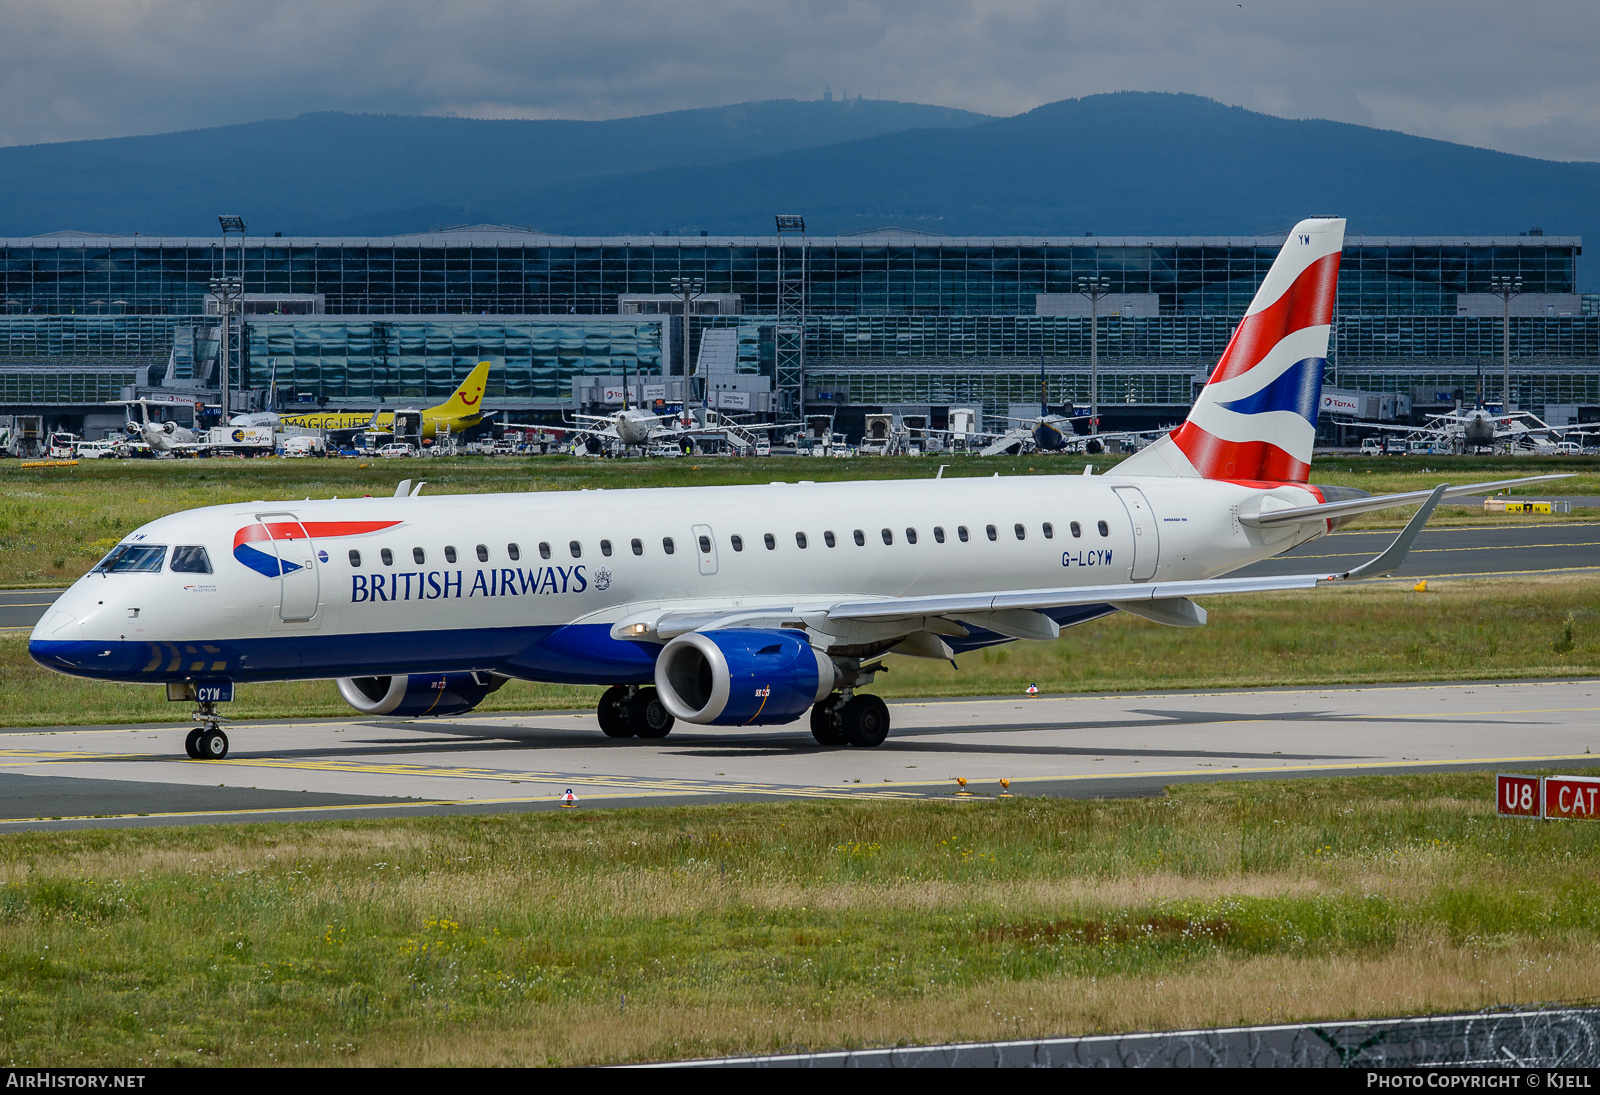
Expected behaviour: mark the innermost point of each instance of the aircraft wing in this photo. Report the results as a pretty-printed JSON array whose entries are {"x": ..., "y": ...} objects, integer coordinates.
[
  {"x": 1017, "y": 613},
  {"x": 1270, "y": 518}
]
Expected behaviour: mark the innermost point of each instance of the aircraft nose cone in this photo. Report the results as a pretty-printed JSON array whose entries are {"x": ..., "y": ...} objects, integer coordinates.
[{"x": 57, "y": 625}]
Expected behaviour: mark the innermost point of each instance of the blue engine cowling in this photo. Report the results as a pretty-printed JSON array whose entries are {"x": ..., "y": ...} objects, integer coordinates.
[
  {"x": 418, "y": 694},
  {"x": 742, "y": 677}
]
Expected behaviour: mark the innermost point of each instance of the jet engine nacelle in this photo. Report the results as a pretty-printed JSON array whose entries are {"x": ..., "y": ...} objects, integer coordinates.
[
  {"x": 742, "y": 677},
  {"x": 418, "y": 694}
]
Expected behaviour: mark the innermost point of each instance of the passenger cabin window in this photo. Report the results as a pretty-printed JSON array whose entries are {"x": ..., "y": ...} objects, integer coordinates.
[
  {"x": 355, "y": 557},
  {"x": 637, "y": 546},
  {"x": 515, "y": 552},
  {"x": 1077, "y": 529},
  {"x": 990, "y": 529},
  {"x": 1049, "y": 531},
  {"x": 861, "y": 538},
  {"x": 705, "y": 545},
  {"x": 1105, "y": 529},
  {"x": 938, "y": 534},
  {"x": 961, "y": 533},
  {"x": 483, "y": 554},
  {"x": 544, "y": 551},
  {"x": 769, "y": 541},
  {"x": 191, "y": 560},
  {"x": 133, "y": 559},
  {"x": 800, "y": 540},
  {"x": 418, "y": 556},
  {"x": 605, "y": 548},
  {"x": 576, "y": 549},
  {"x": 827, "y": 538},
  {"x": 737, "y": 541},
  {"x": 667, "y": 545},
  {"x": 1022, "y": 533},
  {"x": 911, "y": 535},
  {"x": 888, "y": 536},
  {"x": 387, "y": 556},
  {"x": 449, "y": 554}
]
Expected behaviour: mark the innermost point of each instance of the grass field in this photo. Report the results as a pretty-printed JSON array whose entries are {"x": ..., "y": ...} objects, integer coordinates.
[
  {"x": 1488, "y": 628},
  {"x": 56, "y": 522},
  {"x": 578, "y": 937}
]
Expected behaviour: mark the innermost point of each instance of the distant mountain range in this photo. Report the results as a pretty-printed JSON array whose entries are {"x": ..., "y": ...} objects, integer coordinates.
[{"x": 1120, "y": 164}]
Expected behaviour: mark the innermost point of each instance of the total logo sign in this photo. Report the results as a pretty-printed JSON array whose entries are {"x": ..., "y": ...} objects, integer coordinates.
[{"x": 1339, "y": 403}]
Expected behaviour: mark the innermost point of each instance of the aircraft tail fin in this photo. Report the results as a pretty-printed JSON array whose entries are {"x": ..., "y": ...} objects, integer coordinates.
[
  {"x": 467, "y": 400},
  {"x": 1256, "y": 419}
]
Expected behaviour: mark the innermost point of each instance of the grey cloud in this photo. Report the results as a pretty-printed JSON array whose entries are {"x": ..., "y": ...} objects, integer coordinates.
[{"x": 1519, "y": 78}]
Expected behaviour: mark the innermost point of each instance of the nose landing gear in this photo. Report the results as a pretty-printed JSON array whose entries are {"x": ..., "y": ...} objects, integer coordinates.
[{"x": 206, "y": 741}]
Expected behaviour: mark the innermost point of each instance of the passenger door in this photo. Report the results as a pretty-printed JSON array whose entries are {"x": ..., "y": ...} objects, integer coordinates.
[
  {"x": 1146, "y": 546},
  {"x": 299, "y": 587}
]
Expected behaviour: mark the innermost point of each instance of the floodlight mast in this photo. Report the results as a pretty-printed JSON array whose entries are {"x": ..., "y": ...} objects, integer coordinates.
[
  {"x": 1094, "y": 289},
  {"x": 1505, "y": 288},
  {"x": 789, "y": 335},
  {"x": 227, "y": 290},
  {"x": 688, "y": 288}
]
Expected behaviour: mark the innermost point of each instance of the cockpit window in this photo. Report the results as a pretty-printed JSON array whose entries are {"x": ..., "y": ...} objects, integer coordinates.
[
  {"x": 133, "y": 558},
  {"x": 191, "y": 560}
]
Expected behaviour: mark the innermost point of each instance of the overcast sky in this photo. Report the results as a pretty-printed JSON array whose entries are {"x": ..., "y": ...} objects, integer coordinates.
[{"x": 1517, "y": 77}]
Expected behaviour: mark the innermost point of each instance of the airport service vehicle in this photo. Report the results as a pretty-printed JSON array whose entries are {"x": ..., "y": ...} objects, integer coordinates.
[
  {"x": 241, "y": 440},
  {"x": 1372, "y": 446},
  {"x": 96, "y": 450},
  {"x": 397, "y": 449},
  {"x": 63, "y": 445},
  {"x": 305, "y": 444},
  {"x": 740, "y": 605}
]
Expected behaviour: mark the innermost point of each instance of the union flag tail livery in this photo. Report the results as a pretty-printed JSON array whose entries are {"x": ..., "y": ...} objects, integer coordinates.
[{"x": 1256, "y": 419}]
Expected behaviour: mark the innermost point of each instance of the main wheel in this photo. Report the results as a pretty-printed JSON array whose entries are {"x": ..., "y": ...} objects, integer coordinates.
[
  {"x": 191, "y": 744},
  {"x": 213, "y": 745},
  {"x": 825, "y": 723},
  {"x": 613, "y": 713},
  {"x": 647, "y": 717},
  {"x": 866, "y": 721}
]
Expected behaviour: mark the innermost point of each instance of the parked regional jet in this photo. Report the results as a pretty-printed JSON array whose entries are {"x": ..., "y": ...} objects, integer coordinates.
[
  {"x": 732, "y": 606},
  {"x": 462, "y": 411}
]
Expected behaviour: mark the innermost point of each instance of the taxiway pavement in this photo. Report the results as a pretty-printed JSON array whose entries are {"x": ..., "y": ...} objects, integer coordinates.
[{"x": 1079, "y": 746}]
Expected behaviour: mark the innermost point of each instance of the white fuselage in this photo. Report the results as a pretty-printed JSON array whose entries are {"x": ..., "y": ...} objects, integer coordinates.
[{"x": 576, "y": 568}]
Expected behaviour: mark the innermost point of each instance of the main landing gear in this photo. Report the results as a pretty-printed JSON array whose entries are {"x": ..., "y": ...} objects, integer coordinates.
[
  {"x": 628, "y": 711},
  {"x": 861, "y": 720},
  {"x": 206, "y": 741}
]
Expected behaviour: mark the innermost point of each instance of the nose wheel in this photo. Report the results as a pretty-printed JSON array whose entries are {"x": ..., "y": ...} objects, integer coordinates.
[{"x": 207, "y": 741}]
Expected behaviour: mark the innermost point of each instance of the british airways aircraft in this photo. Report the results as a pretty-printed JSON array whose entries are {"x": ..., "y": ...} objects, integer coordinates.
[{"x": 731, "y": 606}]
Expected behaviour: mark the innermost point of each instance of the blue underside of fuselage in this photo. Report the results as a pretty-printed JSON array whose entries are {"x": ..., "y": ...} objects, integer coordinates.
[{"x": 569, "y": 654}]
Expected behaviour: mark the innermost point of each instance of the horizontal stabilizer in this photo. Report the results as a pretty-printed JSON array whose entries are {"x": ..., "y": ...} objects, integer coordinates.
[{"x": 1353, "y": 506}]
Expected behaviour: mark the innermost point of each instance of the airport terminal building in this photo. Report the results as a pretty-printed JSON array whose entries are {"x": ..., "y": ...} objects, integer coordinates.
[{"x": 891, "y": 320}]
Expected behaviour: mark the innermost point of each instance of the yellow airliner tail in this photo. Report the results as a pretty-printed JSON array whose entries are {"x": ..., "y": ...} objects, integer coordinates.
[{"x": 467, "y": 400}]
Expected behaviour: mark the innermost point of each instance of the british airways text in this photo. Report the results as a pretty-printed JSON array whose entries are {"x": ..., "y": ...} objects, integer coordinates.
[{"x": 433, "y": 585}]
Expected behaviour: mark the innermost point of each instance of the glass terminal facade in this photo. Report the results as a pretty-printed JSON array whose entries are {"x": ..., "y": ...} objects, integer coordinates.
[
  {"x": 895, "y": 319},
  {"x": 504, "y": 272}
]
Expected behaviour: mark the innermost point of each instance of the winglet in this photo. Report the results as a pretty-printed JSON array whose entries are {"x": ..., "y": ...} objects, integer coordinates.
[
  {"x": 404, "y": 489},
  {"x": 1394, "y": 555}
]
